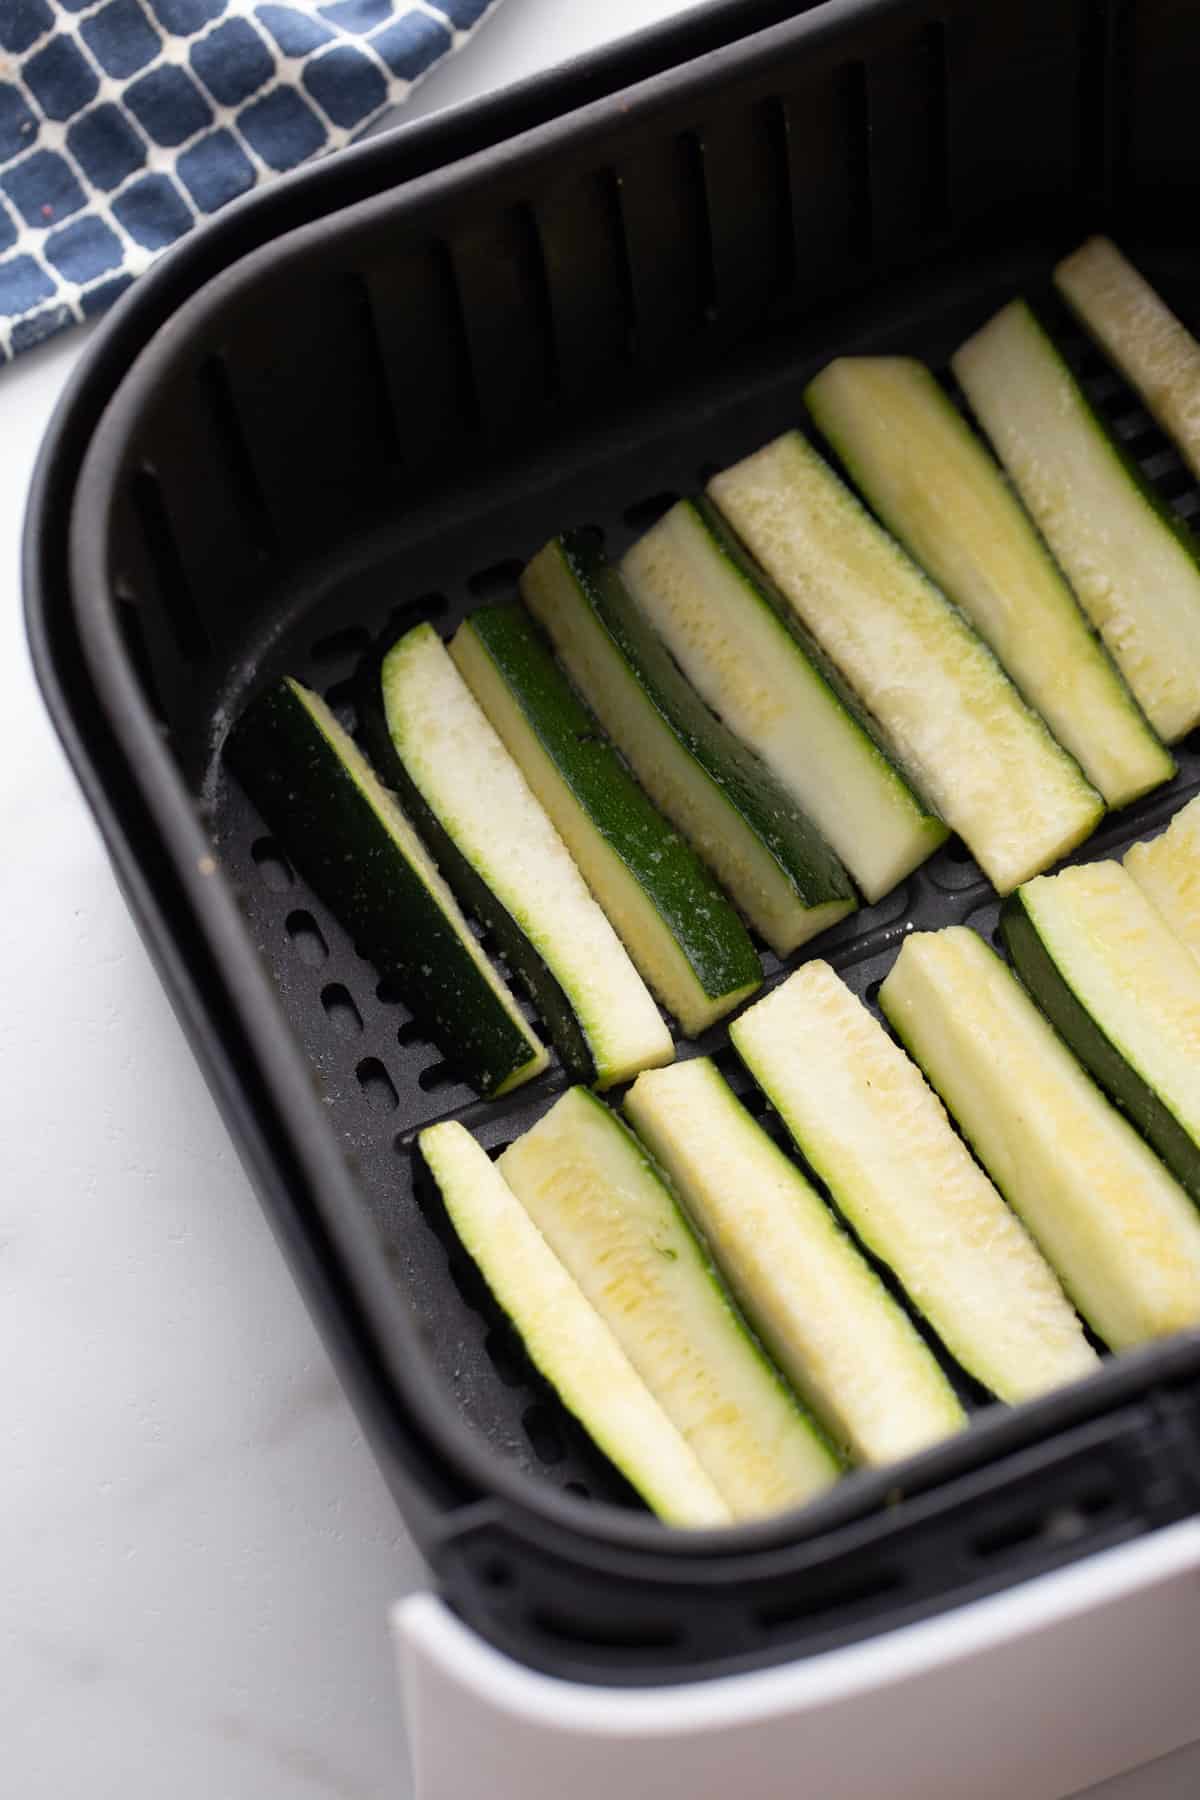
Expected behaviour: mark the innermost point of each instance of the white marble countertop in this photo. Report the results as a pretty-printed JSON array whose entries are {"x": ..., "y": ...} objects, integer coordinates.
[{"x": 197, "y": 1552}]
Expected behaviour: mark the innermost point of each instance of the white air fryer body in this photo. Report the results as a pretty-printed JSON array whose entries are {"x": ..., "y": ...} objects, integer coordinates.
[{"x": 1031, "y": 1694}]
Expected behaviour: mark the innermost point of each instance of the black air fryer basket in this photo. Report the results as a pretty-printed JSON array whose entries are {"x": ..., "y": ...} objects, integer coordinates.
[{"x": 364, "y": 398}]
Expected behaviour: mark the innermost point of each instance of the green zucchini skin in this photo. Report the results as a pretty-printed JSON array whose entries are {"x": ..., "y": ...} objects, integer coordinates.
[
  {"x": 1171, "y": 715},
  {"x": 1162, "y": 509},
  {"x": 564, "y": 1336},
  {"x": 771, "y": 684},
  {"x": 755, "y": 576},
  {"x": 931, "y": 482},
  {"x": 340, "y": 844},
  {"x": 957, "y": 722},
  {"x": 610, "y": 1215},
  {"x": 705, "y": 926},
  {"x": 468, "y": 885},
  {"x": 794, "y": 843},
  {"x": 1094, "y": 1049}
]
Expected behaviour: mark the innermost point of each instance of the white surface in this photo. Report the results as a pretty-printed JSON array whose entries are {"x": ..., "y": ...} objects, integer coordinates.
[
  {"x": 197, "y": 1554},
  {"x": 197, "y": 1551},
  {"x": 1032, "y": 1691}
]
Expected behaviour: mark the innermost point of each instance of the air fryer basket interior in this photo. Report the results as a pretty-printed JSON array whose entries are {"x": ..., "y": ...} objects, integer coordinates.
[{"x": 377, "y": 419}]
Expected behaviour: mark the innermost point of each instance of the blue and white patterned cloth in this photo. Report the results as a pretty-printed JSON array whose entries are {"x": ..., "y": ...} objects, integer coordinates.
[{"x": 124, "y": 123}]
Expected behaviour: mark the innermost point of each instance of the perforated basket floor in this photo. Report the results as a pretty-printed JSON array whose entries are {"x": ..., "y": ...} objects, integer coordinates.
[{"x": 380, "y": 1076}]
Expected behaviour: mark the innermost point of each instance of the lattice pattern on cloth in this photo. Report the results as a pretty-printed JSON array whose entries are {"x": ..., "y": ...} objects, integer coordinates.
[{"x": 124, "y": 123}]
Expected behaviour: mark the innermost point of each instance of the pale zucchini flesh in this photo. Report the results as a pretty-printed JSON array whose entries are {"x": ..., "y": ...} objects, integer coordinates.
[
  {"x": 1117, "y": 984},
  {"x": 1153, "y": 349},
  {"x": 564, "y": 1336},
  {"x": 1133, "y": 573},
  {"x": 877, "y": 1135},
  {"x": 930, "y": 480},
  {"x": 767, "y": 855},
  {"x": 1121, "y": 1234},
  {"x": 750, "y": 659},
  {"x": 684, "y": 936},
  {"x": 603, "y": 1208},
  {"x": 482, "y": 801},
  {"x": 848, "y": 1348},
  {"x": 1167, "y": 869},
  {"x": 956, "y": 723}
]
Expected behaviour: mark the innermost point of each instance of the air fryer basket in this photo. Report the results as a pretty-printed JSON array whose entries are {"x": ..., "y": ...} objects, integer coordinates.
[{"x": 373, "y": 413}]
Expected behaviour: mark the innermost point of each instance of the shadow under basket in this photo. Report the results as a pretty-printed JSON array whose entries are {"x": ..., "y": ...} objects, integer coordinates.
[{"x": 366, "y": 397}]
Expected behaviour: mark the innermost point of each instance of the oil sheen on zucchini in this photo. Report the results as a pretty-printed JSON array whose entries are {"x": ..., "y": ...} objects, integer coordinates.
[
  {"x": 748, "y": 656},
  {"x": 673, "y": 919},
  {"x": 957, "y": 725},
  {"x": 604, "y": 1209},
  {"x": 1133, "y": 569},
  {"x": 1167, "y": 869},
  {"x": 483, "y": 803},
  {"x": 847, "y": 1347},
  {"x": 749, "y": 830},
  {"x": 1117, "y": 984},
  {"x": 564, "y": 1335},
  {"x": 930, "y": 480},
  {"x": 349, "y": 838},
  {"x": 879, "y": 1138},
  {"x": 1121, "y": 1234},
  {"x": 1153, "y": 349}
]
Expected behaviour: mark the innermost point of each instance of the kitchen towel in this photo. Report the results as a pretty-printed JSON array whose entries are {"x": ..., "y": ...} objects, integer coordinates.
[{"x": 124, "y": 123}]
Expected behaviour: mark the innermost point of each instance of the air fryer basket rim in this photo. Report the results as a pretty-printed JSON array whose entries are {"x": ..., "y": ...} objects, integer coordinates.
[
  {"x": 269, "y": 1050},
  {"x": 153, "y": 807},
  {"x": 260, "y": 1076}
]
